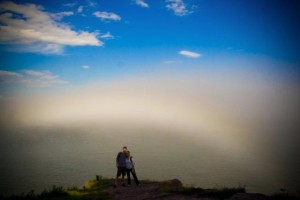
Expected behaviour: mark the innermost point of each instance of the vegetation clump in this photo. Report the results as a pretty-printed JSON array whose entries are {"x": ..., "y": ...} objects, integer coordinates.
[{"x": 92, "y": 189}]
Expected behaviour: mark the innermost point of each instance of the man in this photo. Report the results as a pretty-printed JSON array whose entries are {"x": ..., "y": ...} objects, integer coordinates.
[{"x": 121, "y": 165}]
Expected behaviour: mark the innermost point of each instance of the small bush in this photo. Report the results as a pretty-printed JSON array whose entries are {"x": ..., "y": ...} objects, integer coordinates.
[{"x": 54, "y": 192}]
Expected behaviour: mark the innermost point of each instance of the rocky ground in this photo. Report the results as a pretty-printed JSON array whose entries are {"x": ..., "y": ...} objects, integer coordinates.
[
  {"x": 149, "y": 191},
  {"x": 154, "y": 191}
]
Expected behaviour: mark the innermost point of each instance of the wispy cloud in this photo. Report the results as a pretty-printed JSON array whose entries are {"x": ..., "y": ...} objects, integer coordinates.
[
  {"x": 91, "y": 3},
  {"x": 107, "y": 36},
  {"x": 41, "y": 79},
  {"x": 141, "y": 3},
  {"x": 190, "y": 54},
  {"x": 9, "y": 77},
  {"x": 69, "y": 4},
  {"x": 85, "y": 66},
  {"x": 28, "y": 26},
  {"x": 31, "y": 78},
  {"x": 107, "y": 16},
  {"x": 178, "y": 7},
  {"x": 80, "y": 9},
  {"x": 170, "y": 62},
  {"x": 60, "y": 15}
]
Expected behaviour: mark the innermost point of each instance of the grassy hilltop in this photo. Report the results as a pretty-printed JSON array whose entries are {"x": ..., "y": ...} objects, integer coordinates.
[{"x": 103, "y": 189}]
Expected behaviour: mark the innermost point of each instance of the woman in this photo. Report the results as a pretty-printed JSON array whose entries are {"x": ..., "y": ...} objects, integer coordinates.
[{"x": 130, "y": 169}]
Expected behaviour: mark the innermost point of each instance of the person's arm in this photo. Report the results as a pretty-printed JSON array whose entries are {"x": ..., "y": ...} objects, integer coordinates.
[
  {"x": 132, "y": 161},
  {"x": 117, "y": 159}
]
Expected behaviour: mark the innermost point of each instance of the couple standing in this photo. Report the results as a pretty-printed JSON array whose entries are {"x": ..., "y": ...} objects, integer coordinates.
[{"x": 125, "y": 165}]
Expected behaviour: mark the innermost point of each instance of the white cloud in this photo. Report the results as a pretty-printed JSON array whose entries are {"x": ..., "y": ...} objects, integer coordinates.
[
  {"x": 38, "y": 31},
  {"x": 9, "y": 77},
  {"x": 31, "y": 78},
  {"x": 69, "y": 4},
  {"x": 80, "y": 9},
  {"x": 107, "y": 16},
  {"x": 60, "y": 15},
  {"x": 92, "y": 3},
  {"x": 42, "y": 48},
  {"x": 107, "y": 36},
  {"x": 178, "y": 7},
  {"x": 85, "y": 67},
  {"x": 36, "y": 73},
  {"x": 189, "y": 54},
  {"x": 141, "y": 3},
  {"x": 4, "y": 73},
  {"x": 45, "y": 48}
]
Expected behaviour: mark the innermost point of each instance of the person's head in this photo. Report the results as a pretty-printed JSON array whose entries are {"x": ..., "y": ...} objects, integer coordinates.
[
  {"x": 128, "y": 154},
  {"x": 124, "y": 149}
]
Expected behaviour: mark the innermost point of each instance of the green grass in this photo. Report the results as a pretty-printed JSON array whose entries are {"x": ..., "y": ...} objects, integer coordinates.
[{"x": 91, "y": 190}]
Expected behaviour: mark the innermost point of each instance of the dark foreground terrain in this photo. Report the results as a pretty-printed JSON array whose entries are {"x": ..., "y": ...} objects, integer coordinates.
[{"x": 163, "y": 190}]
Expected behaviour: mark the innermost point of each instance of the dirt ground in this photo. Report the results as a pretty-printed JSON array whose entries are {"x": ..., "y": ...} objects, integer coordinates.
[
  {"x": 144, "y": 192},
  {"x": 152, "y": 191}
]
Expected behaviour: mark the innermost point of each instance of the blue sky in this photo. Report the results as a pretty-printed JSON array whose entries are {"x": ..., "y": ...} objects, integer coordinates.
[{"x": 82, "y": 41}]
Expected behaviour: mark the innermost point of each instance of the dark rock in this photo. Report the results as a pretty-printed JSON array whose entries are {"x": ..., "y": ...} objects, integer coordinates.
[{"x": 173, "y": 183}]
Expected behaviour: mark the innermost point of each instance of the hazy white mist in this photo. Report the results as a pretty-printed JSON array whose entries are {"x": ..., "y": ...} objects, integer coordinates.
[{"x": 242, "y": 121}]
